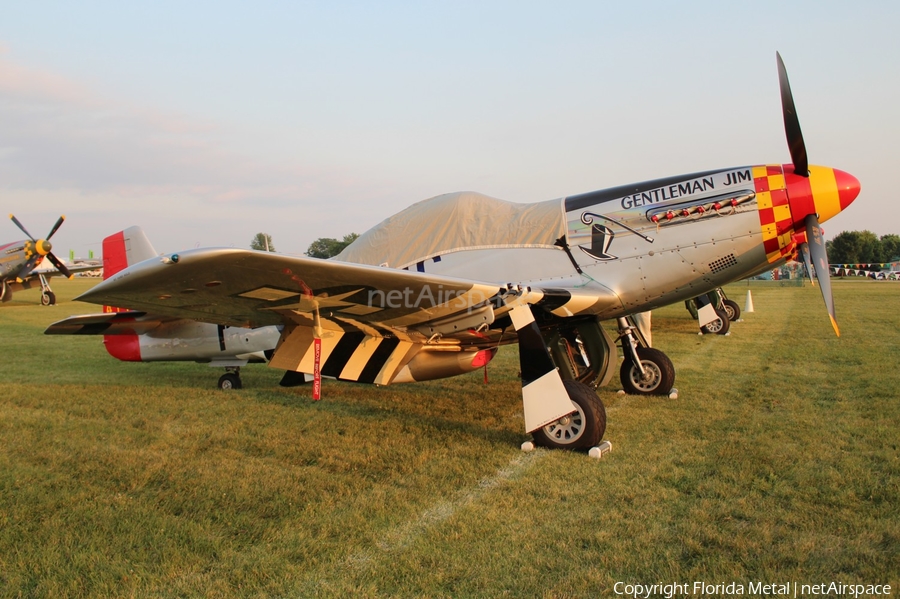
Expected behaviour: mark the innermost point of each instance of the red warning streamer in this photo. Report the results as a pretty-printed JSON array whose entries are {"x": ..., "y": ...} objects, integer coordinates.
[{"x": 317, "y": 373}]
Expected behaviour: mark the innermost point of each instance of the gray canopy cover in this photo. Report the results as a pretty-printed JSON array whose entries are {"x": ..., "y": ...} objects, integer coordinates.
[{"x": 454, "y": 222}]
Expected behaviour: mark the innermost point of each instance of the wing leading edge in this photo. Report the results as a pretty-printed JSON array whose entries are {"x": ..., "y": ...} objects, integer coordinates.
[{"x": 248, "y": 288}]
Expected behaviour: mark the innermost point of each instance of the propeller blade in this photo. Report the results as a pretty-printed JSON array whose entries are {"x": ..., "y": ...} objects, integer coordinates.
[
  {"x": 21, "y": 226},
  {"x": 56, "y": 226},
  {"x": 792, "y": 123},
  {"x": 804, "y": 249},
  {"x": 59, "y": 265},
  {"x": 820, "y": 260}
]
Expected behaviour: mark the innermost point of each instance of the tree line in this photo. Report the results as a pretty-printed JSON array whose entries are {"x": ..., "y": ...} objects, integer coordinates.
[
  {"x": 863, "y": 247},
  {"x": 323, "y": 247}
]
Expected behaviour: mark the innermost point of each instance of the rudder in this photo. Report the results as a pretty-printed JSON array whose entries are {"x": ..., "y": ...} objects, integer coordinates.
[
  {"x": 121, "y": 250},
  {"x": 124, "y": 249}
]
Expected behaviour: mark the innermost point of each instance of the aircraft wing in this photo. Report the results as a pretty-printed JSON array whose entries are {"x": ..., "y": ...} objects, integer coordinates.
[
  {"x": 31, "y": 279},
  {"x": 364, "y": 315},
  {"x": 249, "y": 288},
  {"x": 52, "y": 271}
]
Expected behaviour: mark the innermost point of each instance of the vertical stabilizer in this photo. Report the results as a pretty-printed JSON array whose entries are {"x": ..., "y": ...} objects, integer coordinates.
[
  {"x": 124, "y": 249},
  {"x": 121, "y": 250}
]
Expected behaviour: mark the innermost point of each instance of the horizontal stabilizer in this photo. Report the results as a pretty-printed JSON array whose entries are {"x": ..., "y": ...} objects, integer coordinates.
[{"x": 114, "y": 323}]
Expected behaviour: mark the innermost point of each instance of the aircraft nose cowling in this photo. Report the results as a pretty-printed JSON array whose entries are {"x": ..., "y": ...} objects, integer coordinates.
[
  {"x": 848, "y": 187},
  {"x": 825, "y": 192}
]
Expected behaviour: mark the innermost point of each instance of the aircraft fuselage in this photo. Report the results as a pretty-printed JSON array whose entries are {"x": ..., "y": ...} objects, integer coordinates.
[
  {"x": 666, "y": 240},
  {"x": 19, "y": 258}
]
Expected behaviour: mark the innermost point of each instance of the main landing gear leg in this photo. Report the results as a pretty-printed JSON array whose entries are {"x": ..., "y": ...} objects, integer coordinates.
[
  {"x": 559, "y": 414},
  {"x": 645, "y": 370},
  {"x": 630, "y": 343},
  {"x": 231, "y": 379},
  {"x": 48, "y": 298}
]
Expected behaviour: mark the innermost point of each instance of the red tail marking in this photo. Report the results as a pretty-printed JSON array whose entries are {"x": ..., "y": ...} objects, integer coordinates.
[
  {"x": 114, "y": 257},
  {"x": 114, "y": 260}
]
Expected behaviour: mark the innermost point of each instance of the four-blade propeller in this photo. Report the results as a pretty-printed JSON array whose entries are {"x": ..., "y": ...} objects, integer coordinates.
[{"x": 43, "y": 246}]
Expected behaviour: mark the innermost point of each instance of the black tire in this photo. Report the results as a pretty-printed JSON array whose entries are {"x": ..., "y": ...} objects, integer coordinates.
[
  {"x": 732, "y": 310},
  {"x": 229, "y": 381},
  {"x": 719, "y": 326},
  {"x": 48, "y": 298},
  {"x": 658, "y": 368},
  {"x": 582, "y": 429}
]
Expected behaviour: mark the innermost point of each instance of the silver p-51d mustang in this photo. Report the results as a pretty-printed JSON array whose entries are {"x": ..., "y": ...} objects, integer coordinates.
[{"x": 434, "y": 290}]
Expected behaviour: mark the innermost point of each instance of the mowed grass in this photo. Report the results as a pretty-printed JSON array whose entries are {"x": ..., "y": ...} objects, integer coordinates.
[{"x": 778, "y": 462}]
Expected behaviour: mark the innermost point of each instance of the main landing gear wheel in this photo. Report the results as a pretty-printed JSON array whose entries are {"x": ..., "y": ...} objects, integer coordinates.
[
  {"x": 658, "y": 377},
  {"x": 732, "y": 310},
  {"x": 48, "y": 298},
  {"x": 582, "y": 429},
  {"x": 719, "y": 326},
  {"x": 230, "y": 380}
]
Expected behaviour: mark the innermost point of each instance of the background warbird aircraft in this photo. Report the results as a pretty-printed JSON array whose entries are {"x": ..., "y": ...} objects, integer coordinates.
[
  {"x": 434, "y": 290},
  {"x": 20, "y": 262}
]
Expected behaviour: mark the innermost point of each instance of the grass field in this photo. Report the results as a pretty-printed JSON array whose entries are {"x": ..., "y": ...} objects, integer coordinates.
[{"x": 778, "y": 462}]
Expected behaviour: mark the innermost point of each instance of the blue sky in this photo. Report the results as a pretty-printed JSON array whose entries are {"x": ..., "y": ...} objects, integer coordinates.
[{"x": 207, "y": 122}]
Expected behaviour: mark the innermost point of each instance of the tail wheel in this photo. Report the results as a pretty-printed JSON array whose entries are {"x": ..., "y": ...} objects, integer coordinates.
[
  {"x": 732, "y": 310},
  {"x": 658, "y": 377},
  {"x": 583, "y": 428},
  {"x": 719, "y": 326}
]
